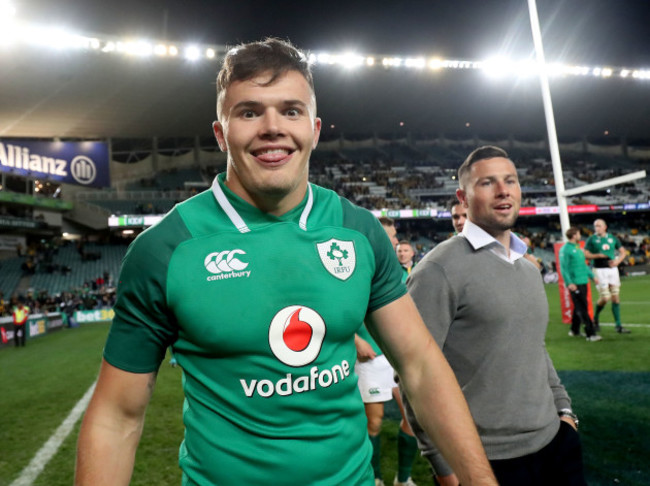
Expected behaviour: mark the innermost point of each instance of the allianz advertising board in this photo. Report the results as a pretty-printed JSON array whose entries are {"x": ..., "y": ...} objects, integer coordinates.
[{"x": 80, "y": 163}]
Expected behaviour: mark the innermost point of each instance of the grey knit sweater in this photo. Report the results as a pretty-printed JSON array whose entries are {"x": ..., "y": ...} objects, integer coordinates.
[{"x": 489, "y": 317}]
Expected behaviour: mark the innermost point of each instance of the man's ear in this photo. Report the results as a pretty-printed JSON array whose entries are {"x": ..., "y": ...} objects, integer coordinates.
[
  {"x": 317, "y": 127},
  {"x": 462, "y": 197},
  {"x": 217, "y": 127}
]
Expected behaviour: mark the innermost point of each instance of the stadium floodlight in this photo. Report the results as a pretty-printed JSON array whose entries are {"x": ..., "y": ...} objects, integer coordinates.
[
  {"x": 7, "y": 27},
  {"x": 349, "y": 60},
  {"x": 418, "y": 62},
  {"x": 160, "y": 50},
  {"x": 324, "y": 58},
  {"x": 135, "y": 48},
  {"x": 7, "y": 10},
  {"x": 435, "y": 64},
  {"x": 526, "y": 69},
  {"x": 109, "y": 47},
  {"x": 192, "y": 53},
  {"x": 392, "y": 62},
  {"x": 498, "y": 67},
  {"x": 12, "y": 33}
]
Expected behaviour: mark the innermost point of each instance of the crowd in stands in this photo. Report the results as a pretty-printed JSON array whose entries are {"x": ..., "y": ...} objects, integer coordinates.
[
  {"x": 634, "y": 234},
  {"x": 41, "y": 262},
  {"x": 390, "y": 177},
  {"x": 402, "y": 175},
  {"x": 88, "y": 297}
]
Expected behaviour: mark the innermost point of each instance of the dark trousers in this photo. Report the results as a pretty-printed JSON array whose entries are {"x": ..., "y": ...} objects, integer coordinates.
[
  {"x": 557, "y": 464},
  {"x": 581, "y": 311},
  {"x": 19, "y": 335}
]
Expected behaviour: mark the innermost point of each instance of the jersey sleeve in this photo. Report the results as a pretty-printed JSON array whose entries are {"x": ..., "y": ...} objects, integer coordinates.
[
  {"x": 386, "y": 285},
  {"x": 617, "y": 243},
  {"x": 143, "y": 326},
  {"x": 565, "y": 266}
]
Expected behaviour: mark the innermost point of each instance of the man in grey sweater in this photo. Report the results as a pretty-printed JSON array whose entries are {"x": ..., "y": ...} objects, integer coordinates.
[{"x": 486, "y": 307}]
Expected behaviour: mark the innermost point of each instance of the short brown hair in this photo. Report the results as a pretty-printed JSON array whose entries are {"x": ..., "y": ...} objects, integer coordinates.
[
  {"x": 271, "y": 55},
  {"x": 386, "y": 221},
  {"x": 453, "y": 203},
  {"x": 571, "y": 232},
  {"x": 481, "y": 153}
]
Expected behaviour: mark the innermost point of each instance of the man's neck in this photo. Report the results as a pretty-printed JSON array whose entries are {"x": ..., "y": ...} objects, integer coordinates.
[
  {"x": 503, "y": 237},
  {"x": 273, "y": 204}
]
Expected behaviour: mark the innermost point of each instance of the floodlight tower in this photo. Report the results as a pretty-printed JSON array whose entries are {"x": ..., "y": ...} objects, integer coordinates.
[{"x": 552, "y": 134}]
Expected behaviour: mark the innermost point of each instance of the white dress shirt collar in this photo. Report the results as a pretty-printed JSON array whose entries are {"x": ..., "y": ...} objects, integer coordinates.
[{"x": 480, "y": 238}]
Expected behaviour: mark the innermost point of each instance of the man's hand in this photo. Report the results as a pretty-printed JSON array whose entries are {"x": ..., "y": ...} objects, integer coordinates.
[
  {"x": 572, "y": 287},
  {"x": 364, "y": 349},
  {"x": 569, "y": 421}
]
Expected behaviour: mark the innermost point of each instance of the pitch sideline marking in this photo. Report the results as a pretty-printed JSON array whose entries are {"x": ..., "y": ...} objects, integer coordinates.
[
  {"x": 611, "y": 324},
  {"x": 49, "y": 449}
]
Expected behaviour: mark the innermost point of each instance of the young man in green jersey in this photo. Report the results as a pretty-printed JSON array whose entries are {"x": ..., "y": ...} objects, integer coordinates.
[
  {"x": 259, "y": 285},
  {"x": 607, "y": 254},
  {"x": 576, "y": 274}
]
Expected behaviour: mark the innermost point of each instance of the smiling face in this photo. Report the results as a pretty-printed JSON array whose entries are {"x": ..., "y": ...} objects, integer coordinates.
[
  {"x": 269, "y": 131},
  {"x": 491, "y": 193}
]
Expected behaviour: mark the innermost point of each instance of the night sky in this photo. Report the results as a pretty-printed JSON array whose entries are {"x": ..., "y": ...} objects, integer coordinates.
[
  {"x": 578, "y": 31},
  {"x": 586, "y": 32}
]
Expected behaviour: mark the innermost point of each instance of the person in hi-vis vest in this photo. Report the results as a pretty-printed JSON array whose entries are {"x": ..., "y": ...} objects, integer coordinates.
[{"x": 20, "y": 314}]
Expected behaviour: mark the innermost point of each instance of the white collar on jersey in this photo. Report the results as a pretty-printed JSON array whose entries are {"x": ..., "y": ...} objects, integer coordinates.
[{"x": 237, "y": 220}]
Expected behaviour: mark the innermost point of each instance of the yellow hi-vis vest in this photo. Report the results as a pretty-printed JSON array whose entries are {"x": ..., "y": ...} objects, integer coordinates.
[{"x": 20, "y": 316}]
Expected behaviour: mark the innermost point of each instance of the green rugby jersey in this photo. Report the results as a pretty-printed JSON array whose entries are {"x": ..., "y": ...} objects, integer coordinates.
[
  {"x": 261, "y": 312},
  {"x": 607, "y": 245},
  {"x": 363, "y": 330}
]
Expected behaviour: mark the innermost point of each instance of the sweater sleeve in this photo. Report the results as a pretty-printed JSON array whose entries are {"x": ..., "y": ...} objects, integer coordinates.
[{"x": 560, "y": 395}]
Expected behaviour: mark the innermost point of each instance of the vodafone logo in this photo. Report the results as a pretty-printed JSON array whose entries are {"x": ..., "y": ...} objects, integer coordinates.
[
  {"x": 226, "y": 264},
  {"x": 296, "y": 335}
]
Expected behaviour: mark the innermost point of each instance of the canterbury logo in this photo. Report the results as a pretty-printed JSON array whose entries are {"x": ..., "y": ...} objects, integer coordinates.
[{"x": 226, "y": 264}]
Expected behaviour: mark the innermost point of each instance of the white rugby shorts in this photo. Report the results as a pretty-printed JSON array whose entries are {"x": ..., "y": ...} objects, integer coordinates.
[
  {"x": 376, "y": 380},
  {"x": 607, "y": 276}
]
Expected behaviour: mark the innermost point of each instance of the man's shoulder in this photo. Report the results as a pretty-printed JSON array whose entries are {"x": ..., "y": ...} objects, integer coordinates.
[
  {"x": 568, "y": 248},
  {"x": 448, "y": 251},
  {"x": 162, "y": 237},
  {"x": 335, "y": 209}
]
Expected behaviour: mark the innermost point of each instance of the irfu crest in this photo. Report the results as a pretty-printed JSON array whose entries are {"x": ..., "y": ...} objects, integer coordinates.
[{"x": 338, "y": 257}]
